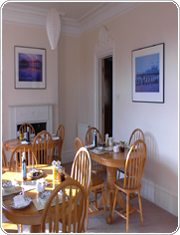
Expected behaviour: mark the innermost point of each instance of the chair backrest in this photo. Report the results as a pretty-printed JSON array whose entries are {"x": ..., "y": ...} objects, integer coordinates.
[
  {"x": 81, "y": 168},
  {"x": 4, "y": 159},
  {"x": 43, "y": 147},
  {"x": 23, "y": 128},
  {"x": 137, "y": 134},
  {"x": 61, "y": 133},
  {"x": 16, "y": 157},
  {"x": 134, "y": 166},
  {"x": 89, "y": 136},
  {"x": 70, "y": 210},
  {"x": 78, "y": 144}
]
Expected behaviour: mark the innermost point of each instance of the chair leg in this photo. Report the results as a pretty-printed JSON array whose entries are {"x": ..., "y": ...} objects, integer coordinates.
[
  {"x": 87, "y": 212},
  {"x": 127, "y": 214},
  {"x": 104, "y": 203},
  {"x": 95, "y": 196},
  {"x": 114, "y": 205},
  {"x": 21, "y": 228},
  {"x": 140, "y": 207}
]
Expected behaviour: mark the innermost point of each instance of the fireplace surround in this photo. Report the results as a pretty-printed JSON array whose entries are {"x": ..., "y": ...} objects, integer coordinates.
[{"x": 33, "y": 114}]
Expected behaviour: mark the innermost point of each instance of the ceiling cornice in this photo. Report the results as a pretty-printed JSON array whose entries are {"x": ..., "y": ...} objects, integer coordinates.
[{"x": 36, "y": 17}]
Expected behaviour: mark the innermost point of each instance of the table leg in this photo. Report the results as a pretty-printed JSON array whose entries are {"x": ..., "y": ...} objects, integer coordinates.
[
  {"x": 110, "y": 191},
  {"x": 35, "y": 229}
]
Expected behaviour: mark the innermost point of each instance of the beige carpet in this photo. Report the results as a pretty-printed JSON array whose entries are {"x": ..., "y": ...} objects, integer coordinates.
[{"x": 156, "y": 220}]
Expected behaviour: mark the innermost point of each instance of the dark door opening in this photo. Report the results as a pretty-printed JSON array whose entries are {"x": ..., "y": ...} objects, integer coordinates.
[{"x": 107, "y": 94}]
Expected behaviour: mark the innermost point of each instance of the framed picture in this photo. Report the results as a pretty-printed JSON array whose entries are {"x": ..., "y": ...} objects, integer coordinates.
[
  {"x": 148, "y": 74},
  {"x": 30, "y": 68}
]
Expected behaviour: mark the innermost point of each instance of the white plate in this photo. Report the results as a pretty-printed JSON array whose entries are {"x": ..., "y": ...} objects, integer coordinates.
[
  {"x": 99, "y": 151},
  {"x": 109, "y": 148},
  {"x": 91, "y": 146},
  {"x": 55, "y": 137},
  {"x": 35, "y": 177},
  {"x": 28, "y": 201}
]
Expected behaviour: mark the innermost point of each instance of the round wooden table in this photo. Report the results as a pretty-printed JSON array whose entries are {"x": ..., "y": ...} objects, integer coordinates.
[
  {"x": 11, "y": 144},
  {"x": 29, "y": 215},
  {"x": 112, "y": 161}
]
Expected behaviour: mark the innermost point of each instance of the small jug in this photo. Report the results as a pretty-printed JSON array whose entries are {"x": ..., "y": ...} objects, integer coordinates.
[{"x": 40, "y": 185}]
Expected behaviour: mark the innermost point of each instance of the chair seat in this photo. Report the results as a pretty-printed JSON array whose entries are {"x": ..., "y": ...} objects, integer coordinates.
[
  {"x": 96, "y": 182},
  {"x": 120, "y": 183}
]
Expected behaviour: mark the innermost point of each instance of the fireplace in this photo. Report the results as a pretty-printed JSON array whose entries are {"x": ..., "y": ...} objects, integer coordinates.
[
  {"x": 41, "y": 126},
  {"x": 39, "y": 116}
]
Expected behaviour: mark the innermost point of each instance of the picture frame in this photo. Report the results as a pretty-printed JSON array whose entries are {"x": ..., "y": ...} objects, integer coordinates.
[
  {"x": 148, "y": 74},
  {"x": 30, "y": 68}
]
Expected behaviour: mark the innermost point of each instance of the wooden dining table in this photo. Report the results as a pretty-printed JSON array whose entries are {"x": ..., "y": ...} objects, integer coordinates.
[
  {"x": 112, "y": 161},
  {"x": 11, "y": 144},
  {"x": 28, "y": 215}
]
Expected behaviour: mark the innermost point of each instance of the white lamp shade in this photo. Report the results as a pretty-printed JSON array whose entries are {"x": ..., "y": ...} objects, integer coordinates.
[{"x": 53, "y": 27}]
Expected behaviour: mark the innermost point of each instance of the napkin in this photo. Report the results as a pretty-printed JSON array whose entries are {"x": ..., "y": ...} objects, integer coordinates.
[{"x": 19, "y": 201}]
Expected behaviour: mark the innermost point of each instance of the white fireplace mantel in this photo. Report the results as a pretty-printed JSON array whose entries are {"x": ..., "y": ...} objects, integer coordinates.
[{"x": 32, "y": 114}]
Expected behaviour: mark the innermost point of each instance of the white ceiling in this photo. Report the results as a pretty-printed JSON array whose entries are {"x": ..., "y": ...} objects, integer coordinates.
[
  {"x": 77, "y": 17},
  {"x": 71, "y": 10}
]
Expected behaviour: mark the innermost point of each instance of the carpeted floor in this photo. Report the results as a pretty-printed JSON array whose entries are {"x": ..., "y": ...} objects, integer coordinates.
[{"x": 156, "y": 220}]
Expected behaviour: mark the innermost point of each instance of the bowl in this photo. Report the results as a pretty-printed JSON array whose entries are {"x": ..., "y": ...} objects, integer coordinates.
[{"x": 8, "y": 185}]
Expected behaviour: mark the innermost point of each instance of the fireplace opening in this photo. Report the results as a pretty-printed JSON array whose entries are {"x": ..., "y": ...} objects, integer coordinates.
[{"x": 38, "y": 127}]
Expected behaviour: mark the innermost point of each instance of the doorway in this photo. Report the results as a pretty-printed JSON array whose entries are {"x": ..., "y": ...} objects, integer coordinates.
[{"x": 107, "y": 95}]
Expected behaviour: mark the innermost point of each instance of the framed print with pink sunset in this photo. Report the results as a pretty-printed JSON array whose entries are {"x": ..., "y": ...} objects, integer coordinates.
[{"x": 30, "y": 68}]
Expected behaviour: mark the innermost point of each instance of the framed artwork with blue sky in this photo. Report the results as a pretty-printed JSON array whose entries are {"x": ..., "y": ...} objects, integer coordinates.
[{"x": 148, "y": 74}]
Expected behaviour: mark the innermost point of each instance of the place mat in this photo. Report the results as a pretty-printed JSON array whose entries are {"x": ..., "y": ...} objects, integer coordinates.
[
  {"x": 40, "y": 205},
  {"x": 99, "y": 152},
  {"x": 31, "y": 184}
]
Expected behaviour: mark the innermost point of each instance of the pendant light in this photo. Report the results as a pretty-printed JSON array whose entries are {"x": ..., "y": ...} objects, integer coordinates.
[{"x": 53, "y": 27}]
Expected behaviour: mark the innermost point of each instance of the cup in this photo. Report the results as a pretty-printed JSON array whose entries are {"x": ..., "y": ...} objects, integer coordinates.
[{"x": 116, "y": 148}]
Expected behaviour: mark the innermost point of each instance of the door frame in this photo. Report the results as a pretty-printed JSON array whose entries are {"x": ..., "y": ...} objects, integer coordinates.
[{"x": 99, "y": 54}]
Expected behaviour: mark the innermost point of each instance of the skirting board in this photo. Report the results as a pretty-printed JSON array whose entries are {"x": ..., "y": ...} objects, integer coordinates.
[{"x": 160, "y": 196}]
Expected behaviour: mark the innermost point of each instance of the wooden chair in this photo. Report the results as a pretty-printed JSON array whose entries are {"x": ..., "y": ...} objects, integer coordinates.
[
  {"x": 16, "y": 157},
  {"x": 81, "y": 168},
  {"x": 78, "y": 144},
  {"x": 137, "y": 134},
  {"x": 71, "y": 211},
  {"x": 5, "y": 165},
  {"x": 131, "y": 182},
  {"x": 96, "y": 186},
  {"x": 58, "y": 150},
  {"x": 96, "y": 167},
  {"x": 43, "y": 147},
  {"x": 23, "y": 128},
  {"x": 8, "y": 227}
]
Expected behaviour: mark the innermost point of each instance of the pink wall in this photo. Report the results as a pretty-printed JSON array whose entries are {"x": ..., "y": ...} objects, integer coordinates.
[{"x": 15, "y": 35}]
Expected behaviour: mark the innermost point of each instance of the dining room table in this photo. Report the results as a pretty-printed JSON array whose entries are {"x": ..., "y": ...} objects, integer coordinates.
[
  {"x": 32, "y": 213},
  {"x": 11, "y": 144},
  {"x": 112, "y": 160}
]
